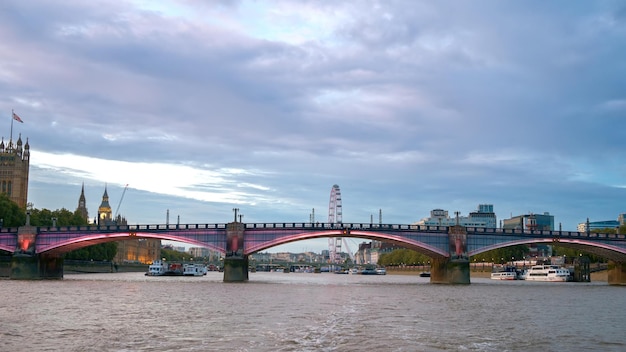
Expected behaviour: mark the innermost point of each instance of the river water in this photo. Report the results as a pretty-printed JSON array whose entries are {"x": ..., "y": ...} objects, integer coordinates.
[{"x": 307, "y": 312}]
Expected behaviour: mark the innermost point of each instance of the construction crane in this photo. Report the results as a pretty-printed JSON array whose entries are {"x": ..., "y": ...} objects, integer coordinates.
[
  {"x": 120, "y": 203},
  {"x": 350, "y": 254}
]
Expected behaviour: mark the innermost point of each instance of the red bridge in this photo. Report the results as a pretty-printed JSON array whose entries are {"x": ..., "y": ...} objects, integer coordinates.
[{"x": 37, "y": 251}]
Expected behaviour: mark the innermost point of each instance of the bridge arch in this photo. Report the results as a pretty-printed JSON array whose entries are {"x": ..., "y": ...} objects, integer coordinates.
[
  {"x": 75, "y": 243},
  {"x": 600, "y": 249},
  {"x": 421, "y": 247}
]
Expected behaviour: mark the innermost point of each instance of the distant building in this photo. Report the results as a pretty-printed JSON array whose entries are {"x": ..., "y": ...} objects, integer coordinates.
[
  {"x": 482, "y": 217},
  {"x": 141, "y": 250},
  {"x": 82, "y": 205},
  {"x": 14, "y": 169},
  {"x": 369, "y": 253},
  {"x": 530, "y": 221},
  {"x": 202, "y": 252},
  {"x": 600, "y": 225},
  {"x": 105, "y": 214}
]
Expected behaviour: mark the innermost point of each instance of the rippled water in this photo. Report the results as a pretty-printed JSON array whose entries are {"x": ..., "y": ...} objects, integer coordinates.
[{"x": 307, "y": 312}]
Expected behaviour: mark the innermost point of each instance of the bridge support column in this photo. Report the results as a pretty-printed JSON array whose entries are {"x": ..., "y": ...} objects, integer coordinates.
[
  {"x": 445, "y": 271},
  {"x": 236, "y": 269},
  {"x": 26, "y": 264},
  {"x": 617, "y": 273},
  {"x": 582, "y": 271},
  {"x": 235, "y": 262},
  {"x": 454, "y": 269},
  {"x": 36, "y": 267}
]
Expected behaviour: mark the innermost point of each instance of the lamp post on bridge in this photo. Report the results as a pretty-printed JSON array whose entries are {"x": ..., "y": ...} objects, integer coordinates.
[{"x": 235, "y": 210}]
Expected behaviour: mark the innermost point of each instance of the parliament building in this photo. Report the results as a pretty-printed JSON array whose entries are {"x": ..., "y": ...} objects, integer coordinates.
[{"x": 14, "y": 168}]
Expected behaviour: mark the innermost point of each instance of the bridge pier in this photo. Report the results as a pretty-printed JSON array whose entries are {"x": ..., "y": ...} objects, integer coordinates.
[
  {"x": 445, "y": 271},
  {"x": 236, "y": 269},
  {"x": 36, "y": 267},
  {"x": 582, "y": 271},
  {"x": 454, "y": 269},
  {"x": 26, "y": 264},
  {"x": 617, "y": 273},
  {"x": 235, "y": 262}
]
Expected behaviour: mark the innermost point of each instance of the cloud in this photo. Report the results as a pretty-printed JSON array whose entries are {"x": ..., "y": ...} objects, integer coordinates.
[{"x": 408, "y": 105}]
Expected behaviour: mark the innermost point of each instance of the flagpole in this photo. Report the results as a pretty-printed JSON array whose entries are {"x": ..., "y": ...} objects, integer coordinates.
[{"x": 11, "y": 137}]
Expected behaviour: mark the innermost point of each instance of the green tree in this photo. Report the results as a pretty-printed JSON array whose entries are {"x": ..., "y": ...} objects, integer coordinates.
[
  {"x": 173, "y": 256},
  {"x": 574, "y": 253},
  {"x": 402, "y": 256},
  {"x": 64, "y": 217},
  {"x": 503, "y": 255},
  {"x": 10, "y": 213},
  {"x": 14, "y": 216}
]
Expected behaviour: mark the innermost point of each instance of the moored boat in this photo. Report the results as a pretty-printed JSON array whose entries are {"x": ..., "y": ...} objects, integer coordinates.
[
  {"x": 194, "y": 270},
  {"x": 160, "y": 268},
  {"x": 425, "y": 274},
  {"x": 157, "y": 268},
  {"x": 505, "y": 273},
  {"x": 549, "y": 273},
  {"x": 174, "y": 269},
  {"x": 369, "y": 271}
]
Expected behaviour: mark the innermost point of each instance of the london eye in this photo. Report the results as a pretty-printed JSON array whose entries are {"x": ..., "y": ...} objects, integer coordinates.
[{"x": 334, "y": 217}]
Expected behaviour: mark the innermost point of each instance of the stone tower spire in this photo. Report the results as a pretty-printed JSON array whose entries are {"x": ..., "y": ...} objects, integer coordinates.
[
  {"x": 82, "y": 204},
  {"x": 105, "y": 214}
]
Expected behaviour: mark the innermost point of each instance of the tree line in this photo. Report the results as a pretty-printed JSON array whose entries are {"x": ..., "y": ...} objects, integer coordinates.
[{"x": 13, "y": 216}]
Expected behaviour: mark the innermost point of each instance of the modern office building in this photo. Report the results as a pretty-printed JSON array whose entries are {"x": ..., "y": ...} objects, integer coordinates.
[
  {"x": 530, "y": 221},
  {"x": 601, "y": 225},
  {"x": 482, "y": 217}
]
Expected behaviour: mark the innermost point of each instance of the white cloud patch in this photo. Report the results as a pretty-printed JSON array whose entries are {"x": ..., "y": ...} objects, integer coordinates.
[
  {"x": 408, "y": 105},
  {"x": 167, "y": 179}
]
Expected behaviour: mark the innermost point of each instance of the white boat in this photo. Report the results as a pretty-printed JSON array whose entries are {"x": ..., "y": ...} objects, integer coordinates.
[
  {"x": 157, "y": 268},
  {"x": 505, "y": 273},
  {"x": 551, "y": 273},
  {"x": 194, "y": 270}
]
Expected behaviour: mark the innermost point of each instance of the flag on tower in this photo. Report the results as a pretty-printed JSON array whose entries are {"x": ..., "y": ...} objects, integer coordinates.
[{"x": 17, "y": 118}]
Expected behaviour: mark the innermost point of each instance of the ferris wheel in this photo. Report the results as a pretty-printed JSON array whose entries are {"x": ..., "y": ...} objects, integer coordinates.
[{"x": 334, "y": 217}]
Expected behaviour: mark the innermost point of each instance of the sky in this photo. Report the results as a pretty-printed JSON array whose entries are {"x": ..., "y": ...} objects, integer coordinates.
[{"x": 201, "y": 107}]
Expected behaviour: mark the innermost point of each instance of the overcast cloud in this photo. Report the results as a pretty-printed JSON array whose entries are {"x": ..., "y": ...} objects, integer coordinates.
[{"x": 202, "y": 107}]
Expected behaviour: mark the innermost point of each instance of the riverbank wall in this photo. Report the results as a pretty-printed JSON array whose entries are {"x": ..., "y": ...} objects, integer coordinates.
[
  {"x": 601, "y": 276},
  {"x": 81, "y": 267}
]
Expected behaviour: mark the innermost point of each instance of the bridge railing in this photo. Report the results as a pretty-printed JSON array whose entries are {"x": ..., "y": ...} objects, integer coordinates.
[
  {"x": 127, "y": 228},
  {"x": 547, "y": 233},
  {"x": 350, "y": 226},
  {"x": 323, "y": 226}
]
